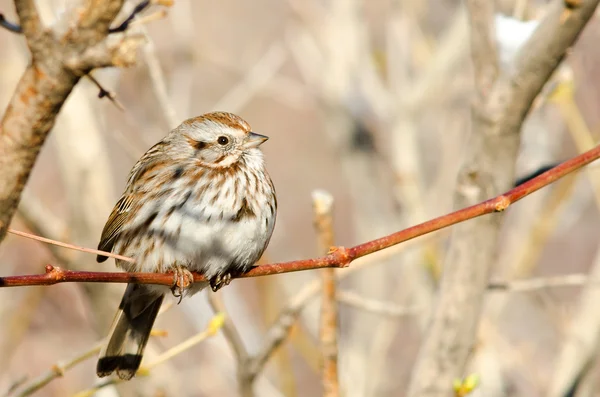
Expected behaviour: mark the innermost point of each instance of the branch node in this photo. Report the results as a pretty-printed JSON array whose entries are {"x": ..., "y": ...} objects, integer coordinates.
[
  {"x": 502, "y": 203},
  {"x": 58, "y": 370},
  {"x": 54, "y": 273},
  {"x": 342, "y": 256},
  {"x": 104, "y": 93},
  {"x": 125, "y": 24}
]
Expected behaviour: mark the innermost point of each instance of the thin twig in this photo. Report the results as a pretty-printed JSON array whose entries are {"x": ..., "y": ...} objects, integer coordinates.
[
  {"x": 15, "y": 385},
  {"x": 282, "y": 88},
  {"x": 125, "y": 24},
  {"x": 133, "y": 20},
  {"x": 69, "y": 246},
  {"x": 155, "y": 16},
  {"x": 339, "y": 257},
  {"x": 58, "y": 370},
  {"x": 376, "y": 306},
  {"x": 157, "y": 78},
  {"x": 279, "y": 331},
  {"x": 11, "y": 27},
  {"x": 105, "y": 93},
  {"x": 229, "y": 330},
  {"x": 215, "y": 324},
  {"x": 232, "y": 336},
  {"x": 213, "y": 327},
  {"x": 533, "y": 284},
  {"x": 40, "y": 220},
  {"x": 323, "y": 205},
  {"x": 254, "y": 80}
]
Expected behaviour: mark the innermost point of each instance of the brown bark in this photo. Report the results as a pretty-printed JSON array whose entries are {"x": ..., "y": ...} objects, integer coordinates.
[{"x": 58, "y": 61}]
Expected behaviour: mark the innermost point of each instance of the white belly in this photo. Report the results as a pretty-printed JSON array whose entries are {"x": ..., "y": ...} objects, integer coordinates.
[{"x": 206, "y": 240}]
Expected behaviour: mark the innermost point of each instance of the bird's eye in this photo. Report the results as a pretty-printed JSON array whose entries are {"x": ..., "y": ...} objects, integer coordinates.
[{"x": 223, "y": 140}]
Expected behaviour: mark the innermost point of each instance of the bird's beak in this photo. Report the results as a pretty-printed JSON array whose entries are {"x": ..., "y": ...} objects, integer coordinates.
[{"x": 254, "y": 140}]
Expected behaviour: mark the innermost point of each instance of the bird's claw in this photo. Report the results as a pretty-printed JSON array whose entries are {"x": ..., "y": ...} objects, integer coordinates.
[
  {"x": 182, "y": 280},
  {"x": 219, "y": 281}
]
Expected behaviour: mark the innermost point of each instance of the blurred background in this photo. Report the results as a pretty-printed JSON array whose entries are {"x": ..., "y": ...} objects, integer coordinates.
[{"x": 369, "y": 100}]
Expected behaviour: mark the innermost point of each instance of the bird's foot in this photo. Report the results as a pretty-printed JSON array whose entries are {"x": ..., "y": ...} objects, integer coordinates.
[
  {"x": 182, "y": 280},
  {"x": 219, "y": 281}
]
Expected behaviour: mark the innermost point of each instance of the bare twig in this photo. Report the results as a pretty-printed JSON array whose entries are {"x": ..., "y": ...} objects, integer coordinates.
[
  {"x": 323, "y": 205},
  {"x": 11, "y": 27},
  {"x": 215, "y": 324},
  {"x": 279, "y": 87},
  {"x": 229, "y": 330},
  {"x": 158, "y": 81},
  {"x": 125, "y": 24},
  {"x": 40, "y": 219},
  {"x": 375, "y": 306},
  {"x": 69, "y": 246},
  {"x": 534, "y": 284},
  {"x": 279, "y": 331},
  {"x": 340, "y": 257},
  {"x": 237, "y": 345},
  {"x": 92, "y": 391},
  {"x": 213, "y": 327},
  {"x": 155, "y": 16},
  {"x": 14, "y": 386},
  {"x": 105, "y": 93},
  {"x": 255, "y": 80},
  {"x": 58, "y": 370}
]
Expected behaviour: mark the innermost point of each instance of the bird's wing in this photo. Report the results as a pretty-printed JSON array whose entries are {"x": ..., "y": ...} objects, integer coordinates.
[
  {"x": 122, "y": 210},
  {"x": 114, "y": 225}
]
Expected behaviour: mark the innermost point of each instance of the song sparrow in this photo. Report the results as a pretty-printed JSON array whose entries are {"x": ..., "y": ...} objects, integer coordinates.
[{"x": 199, "y": 200}]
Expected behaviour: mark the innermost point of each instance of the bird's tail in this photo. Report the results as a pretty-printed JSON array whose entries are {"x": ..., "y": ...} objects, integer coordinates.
[{"x": 129, "y": 332}]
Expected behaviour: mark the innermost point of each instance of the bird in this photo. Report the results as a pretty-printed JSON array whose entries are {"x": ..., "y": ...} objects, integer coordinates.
[{"x": 200, "y": 200}]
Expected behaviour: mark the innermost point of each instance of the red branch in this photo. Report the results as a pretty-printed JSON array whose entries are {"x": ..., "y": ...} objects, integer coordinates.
[{"x": 339, "y": 256}]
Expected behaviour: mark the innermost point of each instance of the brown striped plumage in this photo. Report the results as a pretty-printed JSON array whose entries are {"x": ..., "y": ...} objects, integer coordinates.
[{"x": 199, "y": 200}]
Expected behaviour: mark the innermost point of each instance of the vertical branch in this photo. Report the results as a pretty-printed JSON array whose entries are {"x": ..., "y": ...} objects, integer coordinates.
[
  {"x": 45, "y": 85},
  {"x": 30, "y": 21},
  {"x": 232, "y": 335},
  {"x": 488, "y": 170},
  {"x": 23, "y": 130},
  {"x": 323, "y": 203},
  {"x": 483, "y": 47}
]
